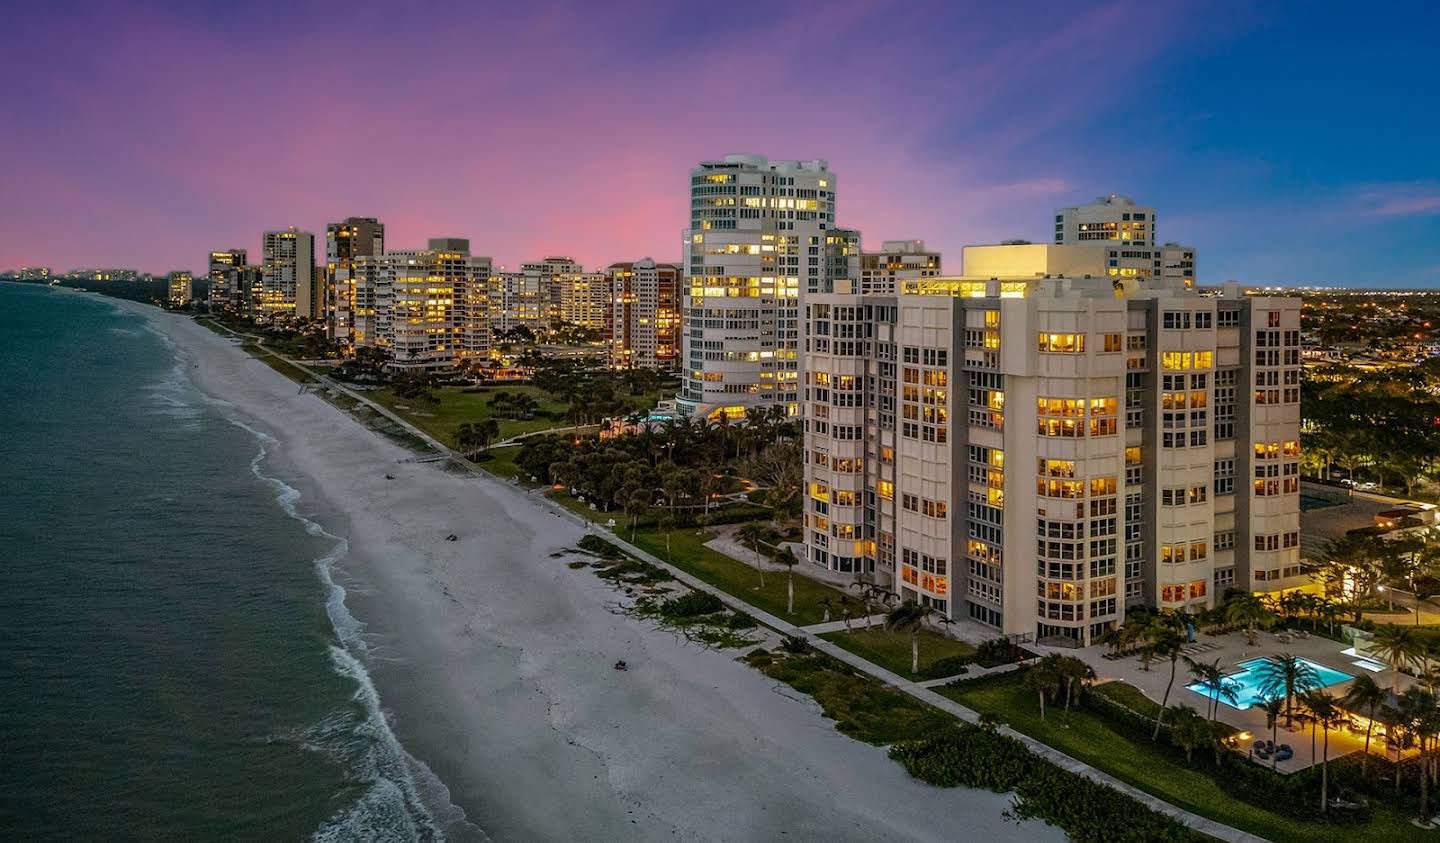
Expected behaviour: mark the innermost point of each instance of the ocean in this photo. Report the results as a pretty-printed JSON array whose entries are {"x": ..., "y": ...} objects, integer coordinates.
[{"x": 177, "y": 661}]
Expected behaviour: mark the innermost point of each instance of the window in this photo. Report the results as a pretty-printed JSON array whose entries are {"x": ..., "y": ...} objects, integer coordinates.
[{"x": 1062, "y": 343}]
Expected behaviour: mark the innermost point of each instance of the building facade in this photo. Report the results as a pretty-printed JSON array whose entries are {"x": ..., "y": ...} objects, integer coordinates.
[
  {"x": 287, "y": 282},
  {"x": 428, "y": 308},
  {"x": 756, "y": 243},
  {"x": 1160, "y": 467},
  {"x": 644, "y": 315},
  {"x": 225, "y": 274},
  {"x": 356, "y": 237},
  {"x": 897, "y": 262},
  {"x": 180, "y": 288}
]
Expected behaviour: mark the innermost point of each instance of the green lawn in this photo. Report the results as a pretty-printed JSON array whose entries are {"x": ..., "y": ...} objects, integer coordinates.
[
  {"x": 891, "y": 650},
  {"x": 689, "y": 554},
  {"x": 457, "y": 407},
  {"x": 502, "y": 463},
  {"x": 1085, "y": 736}
]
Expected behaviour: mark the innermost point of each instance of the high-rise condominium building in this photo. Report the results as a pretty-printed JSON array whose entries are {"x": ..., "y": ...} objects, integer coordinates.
[
  {"x": 356, "y": 237},
  {"x": 287, "y": 282},
  {"x": 644, "y": 328},
  {"x": 1161, "y": 465},
  {"x": 756, "y": 243},
  {"x": 516, "y": 301},
  {"x": 180, "y": 287},
  {"x": 429, "y": 308},
  {"x": 567, "y": 293},
  {"x": 224, "y": 275},
  {"x": 897, "y": 261}
]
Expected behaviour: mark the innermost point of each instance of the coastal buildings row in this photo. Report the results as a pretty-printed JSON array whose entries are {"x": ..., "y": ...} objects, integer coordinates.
[{"x": 440, "y": 307}]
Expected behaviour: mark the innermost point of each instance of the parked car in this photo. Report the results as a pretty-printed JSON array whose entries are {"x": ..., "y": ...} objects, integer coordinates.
[{"x": 1347, "y": 482}]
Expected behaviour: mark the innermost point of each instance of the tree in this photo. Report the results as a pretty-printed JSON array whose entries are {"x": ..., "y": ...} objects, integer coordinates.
[
  {"x": 1166, "y": 641},
  {"x": 1189, "y": 730},
  {"x": 1364, "y": 695},
  {"x": 1286, "y": 675},
  {"x": 667, "y": 523},
  {"x": 1325, "y": 713},
  {"x": 1416, "y": 710},
  {"x": 1248, "y": 611},
  {"x": 638, "y": 501},
  {"x": 1273, "y": 707},
  {"x": 1075, "y": 674},
  {"x": 1399, "y": 647},
  {"x": 1043, "y": 678},
  {"x": 909, "y": 618},
  {"x": 1209, "y": 676},
  {"x": 786, "y": 556},
  {"x": 751, "y": 533}
]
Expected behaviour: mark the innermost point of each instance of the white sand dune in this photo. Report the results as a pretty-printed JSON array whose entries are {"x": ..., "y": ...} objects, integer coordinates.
[{"x": 495, "y": 662}]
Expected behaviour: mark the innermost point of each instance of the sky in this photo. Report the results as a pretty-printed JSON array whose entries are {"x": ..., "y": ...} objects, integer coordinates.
[{"x": 1287, "y": 142}]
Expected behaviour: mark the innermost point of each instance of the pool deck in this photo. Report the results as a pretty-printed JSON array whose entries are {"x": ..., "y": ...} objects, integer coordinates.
[{"x": 1231, "y": 649}]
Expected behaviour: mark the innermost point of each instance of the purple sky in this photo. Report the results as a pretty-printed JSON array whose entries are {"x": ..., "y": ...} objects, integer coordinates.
[{"x": 1292, "y": 142}]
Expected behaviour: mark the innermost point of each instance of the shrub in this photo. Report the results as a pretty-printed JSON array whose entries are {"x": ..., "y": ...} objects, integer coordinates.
[
  {"x": 796, "y": 644},
  {"x": 948, "y": 666},
  {"x": 600, "y": 547},
  {"x": 692, "y": 604},
  {"x": 998, "y": 651},
  {"x": 740, "y": 620}
]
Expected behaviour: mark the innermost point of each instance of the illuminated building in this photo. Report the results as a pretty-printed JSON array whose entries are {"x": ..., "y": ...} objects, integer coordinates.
[
  {"x": 516, "y": 301},
  {"x": 227, "y": 289},
  {"x": 1036, "y": 445},
  {"x": 287, "y": 280},
  {"x": 756, "y": 242},
  {"x": 428, "y": 308},
  {"x": 35, "y": 273},
  {"x": 180, "y": 288},
  {"x": 356, "y": 237},
  {"x": 644, "y": 329},
  {"x": 897, "y": 261}
]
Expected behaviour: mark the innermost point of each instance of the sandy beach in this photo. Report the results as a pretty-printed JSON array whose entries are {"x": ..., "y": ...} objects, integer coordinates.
[{"x": 494, "y": 662}]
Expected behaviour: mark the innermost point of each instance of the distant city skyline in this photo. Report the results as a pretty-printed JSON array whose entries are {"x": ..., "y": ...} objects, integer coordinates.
[{"x": 1287, "y": 147}]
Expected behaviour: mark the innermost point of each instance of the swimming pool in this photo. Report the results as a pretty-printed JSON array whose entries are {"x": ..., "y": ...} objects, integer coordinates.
[{"x": 1247, "y": 682}]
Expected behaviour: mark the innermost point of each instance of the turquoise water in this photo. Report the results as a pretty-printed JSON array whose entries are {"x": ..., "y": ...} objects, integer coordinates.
[
  {"x": 176, "y": 662},
  {"x": 1247, "y": 683}
]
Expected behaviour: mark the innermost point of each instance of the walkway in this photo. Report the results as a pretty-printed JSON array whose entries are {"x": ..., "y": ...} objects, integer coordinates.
[{"x": 914, "y": 689}]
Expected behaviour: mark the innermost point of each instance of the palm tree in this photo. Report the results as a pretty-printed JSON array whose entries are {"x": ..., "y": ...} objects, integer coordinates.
[
  {"x": 909, "y": 617},
  {"x": 1397, "y": 646},
  {"x": 1044, "y": 679},
  {"x": 1189, "y": 729},
  {"x": 751, "y": 533},
  {"x": 1273, "y": 707},
  {"x": 1074, "y": 675},
  {"x": 1166, "y": 641},
  {"x": 1209, "y": 676},
  {"x": 1250, "y": 612},
  {"x": 1325, "y": 713},
  {"x": 785, "y": 556},
  {"x": 1416, "y": 709},
  {"x": 1288, "y": 675},
  {"x": 638, "y": 501},
  {"x": 1365, "y": 695}
]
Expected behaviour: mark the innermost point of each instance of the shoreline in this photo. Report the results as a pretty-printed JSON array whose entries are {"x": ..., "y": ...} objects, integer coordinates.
[{"x": 493, "y": 660}]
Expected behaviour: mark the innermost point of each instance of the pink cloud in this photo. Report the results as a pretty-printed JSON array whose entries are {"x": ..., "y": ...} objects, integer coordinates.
[{"x": 1402, "y": 198}]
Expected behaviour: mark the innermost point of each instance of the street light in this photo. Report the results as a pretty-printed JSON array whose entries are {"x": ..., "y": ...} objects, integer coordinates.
[{"x": 1418, "y": 601}]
